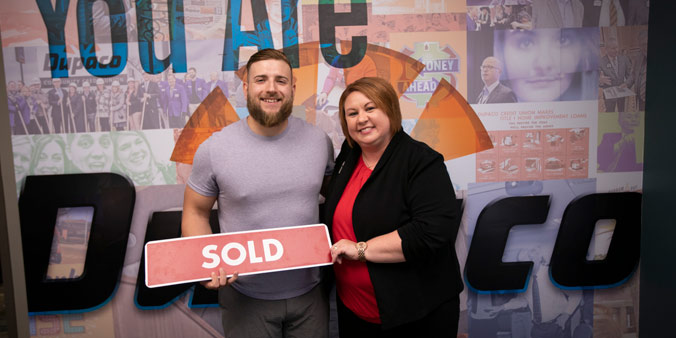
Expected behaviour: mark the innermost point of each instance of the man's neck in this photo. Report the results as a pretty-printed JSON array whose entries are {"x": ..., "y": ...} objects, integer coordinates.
[
  {"x": 489, "y": 85},
  {"x": 266, "y": 131}
]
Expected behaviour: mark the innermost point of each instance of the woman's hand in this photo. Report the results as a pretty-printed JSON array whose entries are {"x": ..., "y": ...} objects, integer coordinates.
[
  {"x": 344, "y": 249},
  {"x": 220, "y": 280}
]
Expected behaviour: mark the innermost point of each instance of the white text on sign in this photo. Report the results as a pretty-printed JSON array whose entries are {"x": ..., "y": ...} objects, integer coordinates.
[{"x": 209, "y": 252}]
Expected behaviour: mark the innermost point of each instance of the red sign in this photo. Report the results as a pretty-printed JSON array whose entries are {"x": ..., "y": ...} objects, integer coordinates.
[{"x": 192, "y": 259}]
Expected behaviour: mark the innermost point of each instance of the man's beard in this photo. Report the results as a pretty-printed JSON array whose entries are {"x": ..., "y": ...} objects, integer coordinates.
[{"x": 269, "y": 120}]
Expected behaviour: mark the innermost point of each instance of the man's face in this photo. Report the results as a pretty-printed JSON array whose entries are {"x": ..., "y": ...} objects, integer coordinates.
[
  {"x": 57, "y": 83},
  {"x": 269, "y": 91},
  {"x": 172, "y": 81},
  {"x": 116, "y": 89},
  {"x": 612, "y": 50},
  {"x": 11, "y": 86},
  {"x": 490, "y": 71},
  {"x": 191, "y": 73},
  {"x": 214, "y": 77},
  {"x": 25, "y": 92}
]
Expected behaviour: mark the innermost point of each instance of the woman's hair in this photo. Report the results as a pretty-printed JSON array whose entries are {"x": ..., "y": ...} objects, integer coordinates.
[
  {"x": 381, "y": 93},
  {"x": 584, "y": 85},
  {"x": 41, "y": 141}
]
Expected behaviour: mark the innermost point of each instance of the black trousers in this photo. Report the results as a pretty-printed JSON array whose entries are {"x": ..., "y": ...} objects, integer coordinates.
[{"x": 442, "y": 322}]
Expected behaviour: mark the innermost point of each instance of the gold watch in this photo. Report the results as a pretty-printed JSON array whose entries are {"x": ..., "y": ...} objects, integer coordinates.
[{"x": 361, "y": 251}]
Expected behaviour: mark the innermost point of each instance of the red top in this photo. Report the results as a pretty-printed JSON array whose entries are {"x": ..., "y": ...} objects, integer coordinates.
[{"x": 353, "y": 281}]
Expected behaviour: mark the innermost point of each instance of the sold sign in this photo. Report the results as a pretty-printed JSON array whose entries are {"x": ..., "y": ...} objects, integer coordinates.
[{"x": 191, "y": 259}]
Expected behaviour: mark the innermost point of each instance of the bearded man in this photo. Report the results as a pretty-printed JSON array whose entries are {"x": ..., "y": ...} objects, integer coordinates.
[{"x": 266, "y": 171}]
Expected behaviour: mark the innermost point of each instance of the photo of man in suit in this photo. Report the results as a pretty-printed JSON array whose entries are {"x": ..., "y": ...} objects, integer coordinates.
[
  {"x": 616, "y": 71},
  {"x": 493, "y": 91}
]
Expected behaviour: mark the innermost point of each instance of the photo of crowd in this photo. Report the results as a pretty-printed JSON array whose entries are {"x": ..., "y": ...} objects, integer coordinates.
[{"x": 122, "y": 103}]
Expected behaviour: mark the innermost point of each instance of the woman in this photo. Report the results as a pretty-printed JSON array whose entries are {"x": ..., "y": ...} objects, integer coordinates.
[
  {"x": 545, "y": 65},
  {"x": 91, "y": 152},
  {"x": 135, "y": 158},
  {"x": 393, "y": 217},
  {"x": 49, "y": 157},
  {"x": 134, "y": 105}
]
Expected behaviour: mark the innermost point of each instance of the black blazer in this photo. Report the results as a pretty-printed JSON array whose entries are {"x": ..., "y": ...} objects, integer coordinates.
[{"x": 409, "y": 191}]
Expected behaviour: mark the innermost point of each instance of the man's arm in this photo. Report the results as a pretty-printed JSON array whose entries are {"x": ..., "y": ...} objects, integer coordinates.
[
  {"x": 196, "y": 210},
  {"x": 195, "y": 222}
]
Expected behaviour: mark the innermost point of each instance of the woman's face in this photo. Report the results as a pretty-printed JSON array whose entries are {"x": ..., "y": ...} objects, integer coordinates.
[
  {"x": 50, "y": 160},
  {"x": 367, "y": 124},
  {"x": 540, "y": 64},
  {"x": 22, "y": 159},
  {"x": 92, "y": 152},
  {"x": 133, "y": 153}
]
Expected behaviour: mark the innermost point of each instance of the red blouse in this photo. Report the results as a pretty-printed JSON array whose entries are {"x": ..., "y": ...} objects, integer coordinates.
[{"x": 353, "y": 281}]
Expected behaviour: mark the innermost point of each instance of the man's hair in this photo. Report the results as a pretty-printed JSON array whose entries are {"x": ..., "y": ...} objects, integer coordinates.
[
  {"x": 267, "y": 54},
  {"x": 383, "y": 96}
]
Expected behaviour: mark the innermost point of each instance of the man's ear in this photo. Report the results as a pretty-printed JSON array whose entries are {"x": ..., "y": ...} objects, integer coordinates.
[{"x": 245, "y": 85}]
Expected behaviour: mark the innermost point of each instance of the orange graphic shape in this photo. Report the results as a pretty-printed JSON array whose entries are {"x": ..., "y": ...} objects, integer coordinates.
[
  {"x": 397, "y": 68},
  {"x": 212, "y": 115},
  {"x": 450, "y": 126}
]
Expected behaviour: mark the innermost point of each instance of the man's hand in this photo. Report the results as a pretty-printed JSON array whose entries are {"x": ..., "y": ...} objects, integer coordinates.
[{"x": 220, "y": 280}]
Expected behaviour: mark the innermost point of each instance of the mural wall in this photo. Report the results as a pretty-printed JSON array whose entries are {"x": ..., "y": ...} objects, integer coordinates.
[{"x": 556, "y": 94}]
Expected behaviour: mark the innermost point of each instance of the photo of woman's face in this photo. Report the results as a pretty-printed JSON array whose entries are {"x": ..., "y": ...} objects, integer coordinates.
[
  {"x": 22, "y": 159},
  {"x": 92, "y": 152},
  {"x": 133, "y": 153},
  {"x": 540, "y": 64},
  {"x": 50, "y": 160}
]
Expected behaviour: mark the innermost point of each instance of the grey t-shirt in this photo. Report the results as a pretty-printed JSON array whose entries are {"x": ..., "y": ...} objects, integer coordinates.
[{"x": 265, "y": 182}]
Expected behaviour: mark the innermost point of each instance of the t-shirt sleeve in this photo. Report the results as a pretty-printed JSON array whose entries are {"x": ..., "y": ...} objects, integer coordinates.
[
  {"x": 202, "y": 178},
  {"x": 331, "y": 160}
]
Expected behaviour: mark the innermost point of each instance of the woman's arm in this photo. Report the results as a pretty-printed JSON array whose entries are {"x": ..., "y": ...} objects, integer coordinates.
[{"x": 382, "y": 249}]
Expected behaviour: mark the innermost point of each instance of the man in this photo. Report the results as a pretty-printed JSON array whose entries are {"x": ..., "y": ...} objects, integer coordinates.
[
  {"x": 102, "y": 122},
  {"x": 557, "y": 13},
  {"x": 196, "y": 89},
  {"x": 215, "y": 82},
  {"x": 56, "y": 97},
  {"x": 42, "y": 110},
  {"x": 472, "y": 18},
  {"x": 266, "y": 171},
  {"x": 604, "y": 13},
  {"x": 89, "y": 98},
  {"x": 74, "y": 110},
  {"x": 615, "y": 72},
  {"x": 19, "y": 113},
  {"x": 175, "y": 102},
  {"x": 493, "y": 91},
  {"x": 118, "y": 106}
]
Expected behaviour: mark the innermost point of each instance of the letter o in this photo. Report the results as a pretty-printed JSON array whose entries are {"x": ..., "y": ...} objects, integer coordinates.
[
  {"x": 91, "y": 62},
  {"x": 115, "y": 61},
  {"x": 226, "y": 258}
]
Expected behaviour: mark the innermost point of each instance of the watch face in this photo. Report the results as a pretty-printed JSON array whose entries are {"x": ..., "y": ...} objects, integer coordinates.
[{"x": 361, "y": 245}]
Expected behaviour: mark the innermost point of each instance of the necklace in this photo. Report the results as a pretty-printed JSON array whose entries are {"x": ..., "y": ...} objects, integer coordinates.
[{"x": 366, "y": 163}]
